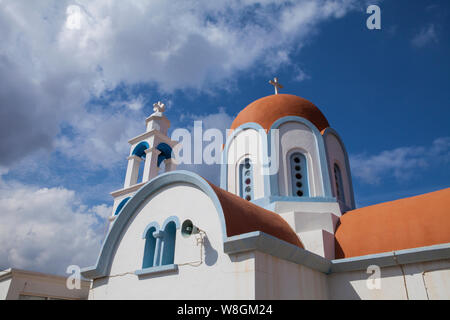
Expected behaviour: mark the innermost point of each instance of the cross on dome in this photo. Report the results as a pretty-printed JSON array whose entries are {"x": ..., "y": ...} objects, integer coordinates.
[
  {"x": 276, "y": 84},
  {"x": 159, "y": 107}
]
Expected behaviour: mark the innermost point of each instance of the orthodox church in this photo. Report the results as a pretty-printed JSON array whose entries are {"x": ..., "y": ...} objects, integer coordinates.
[{"x": 281, "y": 225}]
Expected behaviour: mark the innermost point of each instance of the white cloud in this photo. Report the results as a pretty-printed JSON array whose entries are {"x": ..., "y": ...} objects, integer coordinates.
[
  {"x": 100, "y": 139},
  {"x": 51, "y": 71},
  {"x": 219, "y": 120},
  {"x": 401, "y": 163},
  {"x": 426, "y": 36},
  {"x": 48, "y": 229}
]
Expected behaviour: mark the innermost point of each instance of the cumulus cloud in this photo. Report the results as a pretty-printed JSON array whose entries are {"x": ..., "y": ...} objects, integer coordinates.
[
  {"x": 48, "y": 229},
  {"x": 49, "y": 71},
  {"x": 100, "y": 139},
  {"x": 426, "y": 36},
  {"x": 221, "y": 121},
  {"x": 401, "y": 163}
]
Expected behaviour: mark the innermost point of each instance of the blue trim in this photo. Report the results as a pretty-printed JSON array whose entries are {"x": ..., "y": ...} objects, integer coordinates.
[
  {"x": 120, "y": 206},
  {"x": 347, "y": 163},
  {"x": 224, "y": 165},
  {"x": 171, "y": 219},
  {"x": 168, "y": 243},
  {"x": 113, "y": 237},
  {"x": 321, "y": 151},
  {"x": 156, "y": 270},
  {"x": 266, "y": 201},
  {"x": 148, "y": 260},
  {"x": 149, "y": 226},
  {"x": 139, "y": 150}
]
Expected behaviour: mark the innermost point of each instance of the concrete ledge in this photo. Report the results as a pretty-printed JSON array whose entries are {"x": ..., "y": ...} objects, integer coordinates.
[
  {"x": 263, "y": 242},
  {"x": 156, "y": 270},
  {"x": 389, "y": 259}
]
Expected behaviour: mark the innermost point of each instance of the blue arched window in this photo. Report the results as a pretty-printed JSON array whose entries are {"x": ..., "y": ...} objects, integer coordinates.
[
  {"x": 150, "y": 247},
  {"x": 339, "y": 185},
  {"x": 139, "y": 150},
  {"x": 246, "y": 179},
  {"x": 299, "y": 175},
  {"x": 168, "y": 245},
  {"x": 160, "y": 243},
  {"x": 121, "y": 205},
  {"x": 166, "y": 152}
]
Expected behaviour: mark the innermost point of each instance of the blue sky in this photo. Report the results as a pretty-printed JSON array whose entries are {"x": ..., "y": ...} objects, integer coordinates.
[{"x": 72, "y": 98}]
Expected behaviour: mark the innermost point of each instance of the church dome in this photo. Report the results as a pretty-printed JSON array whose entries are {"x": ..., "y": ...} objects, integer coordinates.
[{"x": 267, "y": 110}]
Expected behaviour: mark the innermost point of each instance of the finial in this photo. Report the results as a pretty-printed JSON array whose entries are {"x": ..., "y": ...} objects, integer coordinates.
[
  {"x": 159, "y": 107},
  {"x": 276, "y": 84}
]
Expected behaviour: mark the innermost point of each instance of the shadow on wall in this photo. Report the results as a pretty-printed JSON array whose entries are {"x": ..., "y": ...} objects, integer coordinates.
[{"x": 211, "y": 254}]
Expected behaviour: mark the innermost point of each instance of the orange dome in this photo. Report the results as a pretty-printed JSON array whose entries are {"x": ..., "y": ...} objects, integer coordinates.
[{"x": 267, "y": 110}]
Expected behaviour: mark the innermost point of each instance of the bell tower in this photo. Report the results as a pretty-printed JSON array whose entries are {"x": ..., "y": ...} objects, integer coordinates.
[{"x": 149, "y": 153}]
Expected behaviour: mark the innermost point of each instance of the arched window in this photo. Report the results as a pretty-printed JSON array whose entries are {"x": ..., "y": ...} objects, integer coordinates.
[
  {"x": 299, "y": 175},
  {"x": 166, "y": 152},
  {"x": 139, "y": 151},
  {"x": 168, "y": 245},
  {"x": 121, "y": 205},
  {"x": 160, "y": 243},
  {"x": 150, "y": 248},
  {"x": 246, "y": 179},
  {"x": 339, "y": 185}
]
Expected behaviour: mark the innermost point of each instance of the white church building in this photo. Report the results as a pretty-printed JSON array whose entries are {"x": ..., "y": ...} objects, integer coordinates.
[{"x": 281, "y": 225}]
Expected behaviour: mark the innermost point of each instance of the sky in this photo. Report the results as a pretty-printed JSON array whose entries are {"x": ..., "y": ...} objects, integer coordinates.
[{"x": 71, "y": 98}]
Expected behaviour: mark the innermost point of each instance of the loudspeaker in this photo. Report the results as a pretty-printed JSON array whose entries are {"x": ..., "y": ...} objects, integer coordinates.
[{"x": 188, "y": 229}]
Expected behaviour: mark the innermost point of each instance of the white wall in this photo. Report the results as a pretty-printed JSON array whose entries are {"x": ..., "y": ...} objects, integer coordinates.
[
  {"x": 281, "y": 279},
  {"x": 246, "y": 144},
  {"x": 428, "y": 280},
  {"x": 4, "y": 288},
  {"x": 336, "y": 155},
  {"x": 297, "y": 136},
  {"x": 42, "y": 285},
  {"x": 219, "y": 277}
]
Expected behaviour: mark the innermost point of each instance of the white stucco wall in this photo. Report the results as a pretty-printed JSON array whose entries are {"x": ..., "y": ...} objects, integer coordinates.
[
  {"x": 246, "y": 144},
  {"x": 428, "y": 280},
  {"x": 297, "y": 136},
  {"x": 336, "y": 155},
  {"x": 219, "y": 277},
  {"x": 4, "y": 288},
  {"x": 280, "y": 279},
  {"x": 42, "y": 285}
]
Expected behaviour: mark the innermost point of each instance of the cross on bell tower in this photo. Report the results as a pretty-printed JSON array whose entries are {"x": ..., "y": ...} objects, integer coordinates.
[{"x": 276, "y": 84}]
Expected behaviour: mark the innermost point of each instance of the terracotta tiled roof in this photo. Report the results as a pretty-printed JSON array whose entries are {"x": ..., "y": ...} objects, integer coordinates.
[
  {"x": 242, "y": 217},
  {"x": 402, "y": 224}
]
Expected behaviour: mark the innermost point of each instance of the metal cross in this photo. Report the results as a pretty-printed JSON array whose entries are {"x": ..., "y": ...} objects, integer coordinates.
[{"x": 276, "y": 84}]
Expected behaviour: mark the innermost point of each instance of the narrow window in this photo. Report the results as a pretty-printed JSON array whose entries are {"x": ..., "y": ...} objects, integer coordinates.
[
  {"x": 121, "y": 205},
  {"x": 339, "y": 185},
  {"x": 168, "y": 246},
  {"x": 299, "y": 175},
  {"x": 246, "y": 176},
  {"x": 139, "y": 151},
  {"x": 149, "y": 251}
]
